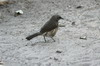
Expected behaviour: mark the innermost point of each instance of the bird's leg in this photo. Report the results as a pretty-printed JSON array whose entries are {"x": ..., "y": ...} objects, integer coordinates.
[
  {"x": 44, "y": 38},
  {"x": 52, "y": 39}
]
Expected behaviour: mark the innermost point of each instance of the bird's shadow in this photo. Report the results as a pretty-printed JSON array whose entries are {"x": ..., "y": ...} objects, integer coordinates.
[{"x": 42, "y": 42}]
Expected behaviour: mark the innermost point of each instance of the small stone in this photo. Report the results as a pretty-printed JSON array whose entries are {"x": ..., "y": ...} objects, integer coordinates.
[
  {"x": 58, "y": 51},
  {"x": 73, "y": 23},
  {"x": 83, "y": 37},
  {"x": 18, "y": 12},
  {"x": 79, "y": 7}
]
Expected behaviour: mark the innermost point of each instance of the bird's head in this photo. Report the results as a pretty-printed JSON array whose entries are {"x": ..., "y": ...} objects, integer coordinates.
[{"x": 56, "y": 17}]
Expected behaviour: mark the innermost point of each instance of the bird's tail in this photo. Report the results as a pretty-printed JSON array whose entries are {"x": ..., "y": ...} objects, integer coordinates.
[{"x": 33, "y": 35}]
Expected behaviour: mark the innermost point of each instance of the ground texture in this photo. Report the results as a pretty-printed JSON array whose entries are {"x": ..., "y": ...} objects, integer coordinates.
[{"x": 68, "y": 50}]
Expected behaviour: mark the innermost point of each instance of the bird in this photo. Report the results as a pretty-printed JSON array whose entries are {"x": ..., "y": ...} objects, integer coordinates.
[{"x": 49, "y": 29}]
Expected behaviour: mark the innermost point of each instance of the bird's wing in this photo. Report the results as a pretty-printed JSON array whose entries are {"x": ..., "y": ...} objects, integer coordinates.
[{"x": 48, "y": 27}]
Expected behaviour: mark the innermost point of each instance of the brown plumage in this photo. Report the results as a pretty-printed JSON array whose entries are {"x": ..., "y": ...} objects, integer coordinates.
[{"x": 49, "y": 29}]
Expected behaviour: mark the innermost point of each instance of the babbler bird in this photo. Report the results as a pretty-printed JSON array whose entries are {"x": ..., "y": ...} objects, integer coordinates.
[{"x": 49, "y": 29}]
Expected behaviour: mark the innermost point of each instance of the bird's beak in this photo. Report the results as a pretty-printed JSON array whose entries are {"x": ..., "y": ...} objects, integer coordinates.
[{"x": 62, "y": 18}]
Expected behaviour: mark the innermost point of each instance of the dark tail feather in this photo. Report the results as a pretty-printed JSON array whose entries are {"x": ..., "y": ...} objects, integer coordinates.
[{"x": 33, "y": 35}]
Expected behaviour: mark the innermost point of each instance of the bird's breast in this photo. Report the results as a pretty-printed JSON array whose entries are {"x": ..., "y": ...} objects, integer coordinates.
[{"x": 51, "y": 33}]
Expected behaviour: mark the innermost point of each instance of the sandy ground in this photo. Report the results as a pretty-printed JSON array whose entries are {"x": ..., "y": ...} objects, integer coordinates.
[{"x": 15, "y": 50}]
